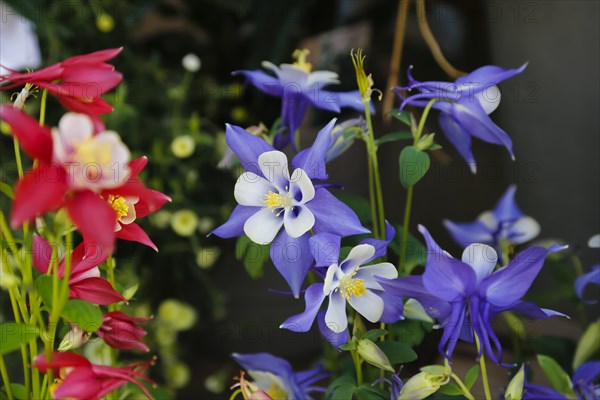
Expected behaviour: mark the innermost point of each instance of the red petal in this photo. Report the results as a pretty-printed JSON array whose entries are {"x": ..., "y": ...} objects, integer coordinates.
[
  {"x": 87, "y": 256},
  {"x": 42, "y": 253},
  {"x": 91, "y": 58},
  {"x": 81, "y": 383},
  {"x": 39, "y": 191},
  {"x": 36, "y": 140},
  {"x": 96, "y": 291},
  {"x": 133, "y": 232},
  {"x": 60, "y": 360},
  {"x": 136, "y": 166},
  {"x": 150, "y": 201},
  {"x": 95, "y": 219}
]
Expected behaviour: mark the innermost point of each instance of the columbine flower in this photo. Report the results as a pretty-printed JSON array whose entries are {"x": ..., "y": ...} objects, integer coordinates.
[
  {"x": 85, "y": 281},
  {"x": 270, "y": 198},
  {"x": 299, "y": 87},
  {"x": 349, "y": 281},
  {"x": 343, "y": 135},
  {"x": 80, "y": 379},
  {"x": 120, "y": 331},
  {"x": 505, "y": 225},
  {"x": 593, "y": 276},
  {"x": 77, "y": 82},
  {"x": 582, "y": 385},
  {"x": 90, "y": 175},
  {"x": 466, "y": 295},
  {"x": 275, "y": 378},
  {"x": 465, "y": 105}
]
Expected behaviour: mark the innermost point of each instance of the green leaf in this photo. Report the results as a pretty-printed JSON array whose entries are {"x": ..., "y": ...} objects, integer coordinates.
[
  {"x": 437, "y": 370},
  {"x": 398, "y": 353},
  {"x": 343, "y": 392},
  {"x": 351, "y": 345},
  {"x": 414, "y": 164},
  {"x": 403, "y": 116},
  {"x": 416, "y": 252},
  {"x": 368, "y": 392},
  {"x": 374, "y": 334},
  {"x": 43, "y": 286},
  {"x": 252, "y": 255},
  {"x": 556, "y": 375},
  {"x": 451, "y": 389},
  {"x": 13, "y": 334},
  {"x": 588, "y": 344},
  {"x": 19, "y": 391},
  {"x": 471, "y": 376},
  {"x": 85, "y": 315},
  {"x": 341, "y": 388},
  {"x": 7, "y": 190},
  {"x": 394, "y": 136}
]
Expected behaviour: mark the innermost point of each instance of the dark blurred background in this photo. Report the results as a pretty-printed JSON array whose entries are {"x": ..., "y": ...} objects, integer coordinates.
[{"x": 550, "y": 111}]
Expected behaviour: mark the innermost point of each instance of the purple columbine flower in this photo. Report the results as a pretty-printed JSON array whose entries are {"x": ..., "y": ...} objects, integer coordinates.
[
  {"x": 275, "y": 377},
  {"x": 270, "y": 198},
  {"x": 464, "y": 106},
  {"x": 506, "y": 223},
  {"x": 350, "y": 281},
  {"x": 465, "y": 295},
  {"x": 582, "y": 383},
  {"x": 299, "y": 86},
  {"x": 593, "y": 276}
]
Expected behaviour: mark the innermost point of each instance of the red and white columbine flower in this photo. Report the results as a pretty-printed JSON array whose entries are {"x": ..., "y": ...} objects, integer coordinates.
[
  {"x": 80, "y": 379},
  {"x": 89, "y": 174}
]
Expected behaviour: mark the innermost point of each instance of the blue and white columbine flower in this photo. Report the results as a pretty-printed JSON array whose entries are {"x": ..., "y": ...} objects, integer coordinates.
[
  {"x": 275, "y": 376},
  {"x": 465, "y": 295},
  {"x": 298, "y": 86},
  {"x": 347, "y": 282},
  {"x": 464, "y": 107},
  {"x": 582, "y": 384},
  {"x": 505, "y": 224},
  {"x": 270, "y": 198}
]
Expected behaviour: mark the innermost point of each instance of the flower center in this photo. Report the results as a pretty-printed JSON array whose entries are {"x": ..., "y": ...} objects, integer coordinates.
[
  {"x": 119, "y": 204},
  {"x": 277, "y": 200},
  {"x": 300, "y": 57},
  {"x": 352, "y": 286}
]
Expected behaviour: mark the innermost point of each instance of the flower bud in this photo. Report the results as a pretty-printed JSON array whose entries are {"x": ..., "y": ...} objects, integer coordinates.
[
  {"x": 372, "y": 354},
  {"x": 422, "y": 385},
  {"x": 414, "y": 310},
  {"x": 74, "y": 339},
  {"x": 514, "y": 391}
]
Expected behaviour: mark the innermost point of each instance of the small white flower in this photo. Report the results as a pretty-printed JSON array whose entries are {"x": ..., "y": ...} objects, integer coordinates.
[{"x": 191, "y": 62}]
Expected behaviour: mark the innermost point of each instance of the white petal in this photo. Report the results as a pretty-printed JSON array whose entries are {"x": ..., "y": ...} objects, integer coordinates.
[
  {"x": 250, "y": 189},
  {"x": 301, "y": 187},
  {"x": 274, "y": 166},
  {"x": 358, "y": 256},
  {"x": 293, "y": 79},
  {"x": 298, "y": 225},
  {"x": 489, "y": 98},
  {"x": 75, "y": 128},
  {"x": 329, "y": 278},
  {"x": 414, "y": 310},
  {"x": 322, "y": 78},
  {"x": 384, "y": 270},
  {"x": 524, "y": 229},
  {"x": 335, "y": 317},
  {"x": 263, "y": 226},
  {"x": 369, "y": 305},
  {"x": 594, "y": 241},
  {"x": 489, "y": 220},
  {"x": 482, "y": 258}
]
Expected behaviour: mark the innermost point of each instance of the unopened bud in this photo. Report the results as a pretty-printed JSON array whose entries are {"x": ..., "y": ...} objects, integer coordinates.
[{"x": 372, "y": 354}]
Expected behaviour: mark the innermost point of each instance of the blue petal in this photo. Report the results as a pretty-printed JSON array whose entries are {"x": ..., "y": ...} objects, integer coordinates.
[
  {"x": 488, "y": 75},
  {"x": 506, "y": 209},
  {"x": 333, "y": 216},
  {"x": 265, "y": 83},
  {"x": 325, "y": 248},
  {"x": 306, "y": 378},
  {"x": 292, "y": 258},
  {"x": 381, "y": 245},
  {"x": 393, "y": 307},
  {"x": 312, "y": 159},
  {"x": 587, "y": 373},
  {"x": 591, "y": 277},
  {"x": 292, "y": 113},
  {"x": 446, "y": 277},
  {"x": 313, "y": 298},
  {"x": 246, "y": 146},
  {"x": 334, "y": 101},
  {"x": 460, "y": 139},
  {"x": 531, "y": 310},
  {"x": 336, "y": 339},
  {"x": 508, "y": 285},
  {"x": 452, "y": 329},
  {"x": 466, "y": 233},
  {"x": 265, "y": 362},
  {"x": 235, "y": 224},
  {"x": 537, "y": 392}
]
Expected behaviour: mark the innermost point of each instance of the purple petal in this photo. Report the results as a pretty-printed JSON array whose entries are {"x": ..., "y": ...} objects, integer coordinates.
[
  {"x": 459, "y": 138},
  {"x": 531, "y": 310},
  {"x": 235, "y": 224},
  {"x": 586, "y": 373},
  {"x": 393, "y": 307},
  {"x": 265, "y": 362},
  {"x": 293, "y": 109},
  {"x": 381, "y": 245},
  {"x": 506, "y": 209},
  {"x": 591, "y": 277},
  {"x": 333, "y": 216},
  {"x": 265, "y": 83},
  {"x": 313, "y": 298},
  {"x": 325, "y": 248},
  {"x": 508, "y": 285},
  {"x": 488, "y": 75},
  {"x": 292, "y": 258},
  {"x": 312, "y": 160},
  {"x": 466, "y": 233},
  {"x": 246, "y": 146},
  {"x": 537, "y": 392},
  {"x": 336, "y": 339}
]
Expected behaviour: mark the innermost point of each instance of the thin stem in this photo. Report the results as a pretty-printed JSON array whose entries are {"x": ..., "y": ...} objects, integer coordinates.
[
  {"x": 372, "y": 149},
  {"x": 433, "y": 44},
  {"x": 43, "y": 107},
  {"x": 357, "y": 367},
  {"x": 424, "y": 118},
  {"x": 462, "y": 387},
  {"x": 18, "y": 157},
  {"x": 372, "y": 193},
  {"x": 396, "y": 58},
  {"x": 405, "y": 223},
  {"x": 5, "y": 379},
  {"x": 484, "y": 376}
]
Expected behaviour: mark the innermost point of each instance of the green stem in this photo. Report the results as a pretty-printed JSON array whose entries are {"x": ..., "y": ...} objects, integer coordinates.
[
  {"x": 357, "y": 367},
  {"x": 462, "y": 387},
  {"x": 43, "y": 107},
  {"x": 484, "y": 376},
  {"x": 372, "y": 195},
  {"x": 377, "y": 205},
  {"x": 424, "y": 118},
  {"x": 405, "y": 223},
  {"x": 6, "y": 379},
  {"x": 18, "y": 157}
]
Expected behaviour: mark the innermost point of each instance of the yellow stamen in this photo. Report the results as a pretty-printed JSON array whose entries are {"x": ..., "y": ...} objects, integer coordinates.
[
  {"x": 300, "y": 57},
  {"x": 352, "y": 286},
  {"x": 276, "y": 200},
  {"x": 119, "y": 204}
]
